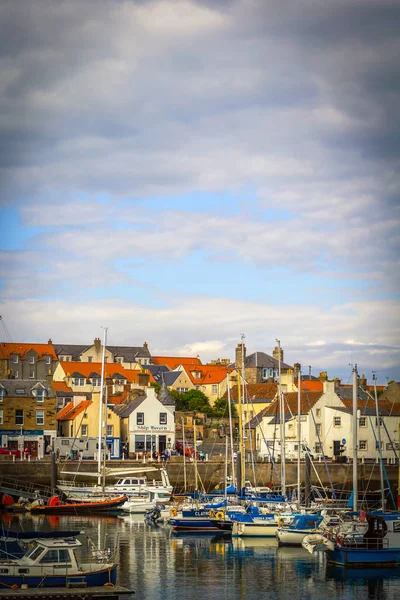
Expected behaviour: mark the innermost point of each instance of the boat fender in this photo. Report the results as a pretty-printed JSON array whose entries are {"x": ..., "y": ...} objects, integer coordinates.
[
  {"x": 220, "y": 515},
  {"x": 14, "y": 586},
  {"x": 212, "y": 514},
  {"x": 108, "y": 584},
  {"x": 173, "y": 512},
  {"x": 54, "y": 501}
]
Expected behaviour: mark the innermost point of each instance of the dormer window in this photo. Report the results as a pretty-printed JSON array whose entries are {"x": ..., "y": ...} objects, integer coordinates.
[
  {"x": 15, "y": 359},
  {"x": 96, "y": 382},
  {"x": 32, "y": 360},
  {"x": 48, "y": 360},
  {"x": 118, "y": 359},
  {"x": 80, "y": 381},
  {"x": 39, "y": 395}
]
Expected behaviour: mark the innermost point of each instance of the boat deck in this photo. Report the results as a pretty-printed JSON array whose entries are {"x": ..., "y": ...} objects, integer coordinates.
[{"x": 72, "y": 593}]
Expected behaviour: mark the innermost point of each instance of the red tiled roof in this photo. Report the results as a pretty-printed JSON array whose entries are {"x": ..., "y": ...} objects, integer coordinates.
[
  {"x": 307, "y": 401},
  {"x": 174, "y": 361},
  {"x": 256, "y": 391},
  {"x": 7, "y": 349},
  {"x": 68, "y": 413},
  {"x": 209, "y": 374},
  {"x": 312, "y": 385},
  {"x": 61, "y": 386}
]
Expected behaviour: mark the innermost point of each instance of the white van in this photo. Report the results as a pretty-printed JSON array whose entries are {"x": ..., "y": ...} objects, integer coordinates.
[{"x": 291, "y": 450}]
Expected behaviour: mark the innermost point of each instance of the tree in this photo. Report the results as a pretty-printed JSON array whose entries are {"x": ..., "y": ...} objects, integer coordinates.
[
  {"x": 197, "y": 401},
  {"x": 156, "y": 386},
  {"x": 221, "y": 408},
  {"x": 179, "y": 399}
]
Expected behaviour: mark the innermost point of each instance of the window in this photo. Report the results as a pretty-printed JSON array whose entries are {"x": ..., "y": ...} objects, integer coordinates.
[
  {"x": 61, "y": 359},
  {"x": 1, "y": 394},
  {"x": 48, "y": 360},
  {"x": 1, "y": 416},
  {"x": 337, "y": 421},
  {"x": 67, "y": 359},
  {"x": 214, "y": 389},
  {"x": 32, "y": 360},
  {"x": 90, "y": 358},
  {"x": 362, "y": 445},
  {"x": 96, "y": 382},
  {"x": 380, "y": 421},
  {"x": 15, "y": 359},
  {"x": 19, "y": 416},
  {"x": 84, "y": 430},
  {"x": 318, "y": 447},
  {"x": 15, "y": 374},
  {"x": 40, "y": 417},
  {"x": 163, "y": 418},
  {"x": 318, "y": 412},
  {"x": 182, "y": 390},
  {"x": 109, "y": 431},
  {"x": 39, "y": 395},
  {"x": 118, "y": 360},
  {"x": 318, "y": 428},
  {"x": 363, "y": 421},
  {"x": 290, "y": 426},
  {"x": 106, "y": 359},
  {"x": 140, "y": 418},
  {"x": 20, "y": 391},
  {"x": 79, "y": 381},
  {"x": 197, "y": 387},
  {"x": 31, "y": 374}
]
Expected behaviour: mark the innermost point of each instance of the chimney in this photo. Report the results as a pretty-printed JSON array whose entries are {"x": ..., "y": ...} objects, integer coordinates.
[
  {"x": 145, "y": 346},
  {"x": 50, "y": 342},
  {"x": 97, "y": 345},
  {"x": 143, "y": 379},
  {"x": 323, "y": 376},
  {"x": 275, "y": 354},
  {"x": 240, "y": 355},
  {"x": 296, "y": 370},
  {"x": 363, "y": 382}
]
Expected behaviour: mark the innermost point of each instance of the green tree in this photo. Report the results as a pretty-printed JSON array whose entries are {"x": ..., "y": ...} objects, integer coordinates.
[
  {"x": 197, "y": 401},
  {"x": 221, "y": 408},
  {"x": 179, "y": 399},
  {"x": 156, "y": 386}
]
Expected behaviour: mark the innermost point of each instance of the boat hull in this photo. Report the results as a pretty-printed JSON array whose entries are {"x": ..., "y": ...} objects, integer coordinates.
[
  {"x": 254, "y": 529},
  {"x": 360, "y": 558},
  {"x": 88, "y": 579},
  {"x": 80, "y": 508},
  {"x": 193, "y": 524}
]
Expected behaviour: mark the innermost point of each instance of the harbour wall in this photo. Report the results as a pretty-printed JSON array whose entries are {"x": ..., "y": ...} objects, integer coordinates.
[{"x": 210, "y": 473}]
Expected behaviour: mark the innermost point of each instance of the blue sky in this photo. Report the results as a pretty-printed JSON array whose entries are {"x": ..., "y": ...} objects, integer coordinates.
[{"x": 189, "y": 171}]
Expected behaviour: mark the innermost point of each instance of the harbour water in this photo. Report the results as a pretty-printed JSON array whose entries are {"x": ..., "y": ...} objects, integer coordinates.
[{"x": 160, "y": 565}]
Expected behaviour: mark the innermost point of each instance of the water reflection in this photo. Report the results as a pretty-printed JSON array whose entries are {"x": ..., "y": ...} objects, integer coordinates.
[{"x": 160, "y": 565}]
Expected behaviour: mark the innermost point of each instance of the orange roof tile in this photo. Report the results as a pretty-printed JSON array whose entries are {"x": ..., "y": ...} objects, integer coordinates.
[
  {"x": 7, "y": 349},
  {"x": 74, "y": 411},
  {"x": 307, "y": 401},
  {"x": 209, "y": 374},
  {"x": 256, "y": 391},
  {"x": 61, "y": 386},
  {"x": 174, "y": 361},
  {"x": 312, "y": 385}
]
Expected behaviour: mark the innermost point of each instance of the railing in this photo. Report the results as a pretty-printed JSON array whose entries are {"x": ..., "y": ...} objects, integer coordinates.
[
  {"x": 359, "y": 542},
  {"x": 17, "y": 487}
]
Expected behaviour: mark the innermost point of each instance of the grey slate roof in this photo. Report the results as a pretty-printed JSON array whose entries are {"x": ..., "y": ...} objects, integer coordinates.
[
  {"x": 260, "y": 359},
  {"x": 370, "y": 410},
  {"x": 164, "y": 396},
  {"x": 129, "y": 353},
  {"x": 12, "y": 385},
  {"x": 124, "y": 410},
  {"x": 346, "y": 393}
]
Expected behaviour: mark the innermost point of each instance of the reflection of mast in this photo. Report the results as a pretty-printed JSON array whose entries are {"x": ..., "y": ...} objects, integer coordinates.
[{"x": 100, "y": 440}]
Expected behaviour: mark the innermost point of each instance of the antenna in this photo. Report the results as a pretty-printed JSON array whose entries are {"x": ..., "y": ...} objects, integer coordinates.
[{"x": 5, "y": 329}]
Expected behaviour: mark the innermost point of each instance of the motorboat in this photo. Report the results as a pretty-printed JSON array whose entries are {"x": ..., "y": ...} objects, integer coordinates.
[
  {"x": 302, "y": 525},
  {"x": 13, "y": 544},
  {"x": 142, "y": 503},
  {"x": 55, "y": 506},
  {"x": 53, "y": 563}
]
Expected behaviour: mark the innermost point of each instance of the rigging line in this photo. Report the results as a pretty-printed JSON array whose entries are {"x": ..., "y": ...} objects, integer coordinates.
[
  {"x": 321, "y": 445},
  {"x": 259, "y": 421}
]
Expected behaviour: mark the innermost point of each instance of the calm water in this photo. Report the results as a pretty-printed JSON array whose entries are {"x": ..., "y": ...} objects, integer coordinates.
[{"x": 159, "y": 565}]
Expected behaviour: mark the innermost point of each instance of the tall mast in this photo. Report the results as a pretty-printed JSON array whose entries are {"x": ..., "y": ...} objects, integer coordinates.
[
  {"x": 298, "y": 437},
  {"x": 355, "y": 441},
  {"x": 231, "y": 429},
  {"x": 378, "y": 424},
  {"x": 184, "y": 455},
  {"x": 282, "y": 423},
  {"x": 195, "y": 462},
  {"x": 100, "y": 441},
  {"x": 241, "y": 452}
]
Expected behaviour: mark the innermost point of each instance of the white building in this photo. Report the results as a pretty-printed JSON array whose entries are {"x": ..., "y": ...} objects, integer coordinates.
[
  {"x": 151, "y": 422},
  {"x": 327, "y": 424}
]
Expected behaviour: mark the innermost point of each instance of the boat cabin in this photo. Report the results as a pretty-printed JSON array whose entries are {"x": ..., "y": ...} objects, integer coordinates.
[
  {"x": 59, "y": 553},
  {"x": 302, "y": 522}
]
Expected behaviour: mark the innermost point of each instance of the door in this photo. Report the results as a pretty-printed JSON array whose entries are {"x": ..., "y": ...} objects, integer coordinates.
[
  {"x": 336, "y": 447},
  {"x": 162, "y": 443},
  {"x": 33, "y": 447}
]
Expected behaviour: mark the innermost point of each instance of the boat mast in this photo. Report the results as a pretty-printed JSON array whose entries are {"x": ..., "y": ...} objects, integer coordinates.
[
  {"x": 184, "y": 456},
  {"x": 378, "y": 422},
  {"x": 355, "y": 441},
  {"x": 226, "y": 472},
  {"x": 282, "y": 423},
  {"x": 298, "y": 437},
  {"x": 231, "y": 429},
  {"x": 241, "y": 453},
  {"x": 100, "y": 441},
  {"x": 195, "y": 462}
]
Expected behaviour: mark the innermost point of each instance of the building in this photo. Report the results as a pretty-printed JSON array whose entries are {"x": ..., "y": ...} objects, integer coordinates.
[
  {"x": 27, "y": 361},
  {"x": 260, "y": 367},
  {"x": 148, "y": 422},
  {"x": 27, "y": 415},
  {"x": 258, "y": 396},
  {"x": 130, "y": 357}
]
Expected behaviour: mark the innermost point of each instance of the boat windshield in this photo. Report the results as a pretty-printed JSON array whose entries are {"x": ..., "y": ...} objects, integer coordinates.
[
  {"x": 34, "y": 552},
  {"x": 56, "y": 556}
]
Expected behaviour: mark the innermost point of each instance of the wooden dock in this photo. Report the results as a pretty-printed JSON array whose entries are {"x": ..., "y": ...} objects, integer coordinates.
[{"x": 73, "y": 593}]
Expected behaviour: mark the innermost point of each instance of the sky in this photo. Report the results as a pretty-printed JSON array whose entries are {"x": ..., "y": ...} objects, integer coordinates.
[{"x": 188, "y": 172}]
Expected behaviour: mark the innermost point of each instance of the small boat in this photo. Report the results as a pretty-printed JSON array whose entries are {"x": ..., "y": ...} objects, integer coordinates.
[
  {"x": 260, "y": 527},
  {"x": 55, "y": 506},
  {"x": 13, "y": 543},
  {"x": 301, "y": 526},
  {"x": 52, "y": 563},
  {"x": 144, "y": 502}
]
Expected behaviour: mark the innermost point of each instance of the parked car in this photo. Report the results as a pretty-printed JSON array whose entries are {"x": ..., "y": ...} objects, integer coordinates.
[{"x": 11, "y": 452}]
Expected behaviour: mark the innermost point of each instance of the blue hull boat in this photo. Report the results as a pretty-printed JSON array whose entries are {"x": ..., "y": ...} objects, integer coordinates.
[
  {"x": 358, "y": 558},
  {"x": 88, "y": 579}
]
